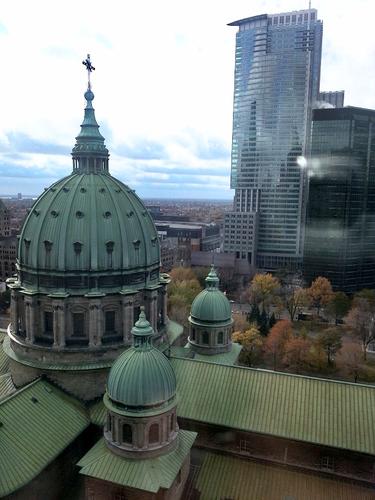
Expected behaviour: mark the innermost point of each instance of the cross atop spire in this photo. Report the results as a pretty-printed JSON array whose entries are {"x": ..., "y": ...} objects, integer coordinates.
[{"x": 90, "y": 68}]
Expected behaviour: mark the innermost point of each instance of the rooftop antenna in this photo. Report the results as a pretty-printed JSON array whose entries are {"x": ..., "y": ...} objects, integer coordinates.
[{"x": 90, "y": 68}]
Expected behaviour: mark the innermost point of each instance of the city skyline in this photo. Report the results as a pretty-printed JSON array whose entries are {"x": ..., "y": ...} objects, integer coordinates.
[{"x": 170, "y": 132}]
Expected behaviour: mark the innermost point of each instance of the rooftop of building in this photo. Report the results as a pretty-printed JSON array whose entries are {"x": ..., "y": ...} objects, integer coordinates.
[
  {"x": 231, "y": 477},
  {"x": 262, "y": 17},
  {"x": 37, "y": 423},
  {"x": 345, "y": 113},
  {"x": 144, "y": 474},
  {"x": 319, "y": 411}
]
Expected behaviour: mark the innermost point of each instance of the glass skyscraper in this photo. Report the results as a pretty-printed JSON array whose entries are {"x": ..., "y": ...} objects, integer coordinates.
[
  {"x": 340, "y": 227},
  {"x": 276, "y": 81}
]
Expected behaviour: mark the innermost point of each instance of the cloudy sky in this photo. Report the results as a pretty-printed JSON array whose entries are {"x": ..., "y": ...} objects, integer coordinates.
[{"x": 163, "y": 85}]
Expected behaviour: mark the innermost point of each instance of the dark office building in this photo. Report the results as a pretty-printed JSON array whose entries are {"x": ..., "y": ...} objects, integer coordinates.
[{"x": 340, "y": 228}]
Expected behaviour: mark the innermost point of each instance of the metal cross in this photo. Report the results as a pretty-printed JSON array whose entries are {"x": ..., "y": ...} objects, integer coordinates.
[{"x": 89, "y": 67}]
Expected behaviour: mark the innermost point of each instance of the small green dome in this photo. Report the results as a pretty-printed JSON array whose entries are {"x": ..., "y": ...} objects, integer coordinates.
[
  {"x": 211, "y": 305},
  {"x": 142, "y": 377}
]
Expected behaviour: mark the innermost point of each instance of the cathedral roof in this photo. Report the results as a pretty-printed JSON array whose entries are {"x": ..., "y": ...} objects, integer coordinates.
[
  {"x": 142, "y": 377},
  {"x": 149, "y": 475},
  {"x": 211, "y": 306},
  {"x": 89, "y": 223}
]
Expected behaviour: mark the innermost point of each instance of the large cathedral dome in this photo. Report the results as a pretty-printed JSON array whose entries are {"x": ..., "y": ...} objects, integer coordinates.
[
  {"x": 88, "y": 230},
  {"x": 88, "y": 260}
]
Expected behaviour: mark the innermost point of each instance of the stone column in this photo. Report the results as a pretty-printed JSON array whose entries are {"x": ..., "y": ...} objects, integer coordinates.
[
  {"x": 164, "y": 302},
  {"x": 29, "y": 330},
  {"x": 151, "y": 297},
  {"x": 62, "y": 323},
  {"x": 32, "y": 318},
  {"x": 127, "y": 317},
  {"x": 95, "y": 323},
  {"x": 14, "y": 312},
  {"x": 58, "y": 324}
]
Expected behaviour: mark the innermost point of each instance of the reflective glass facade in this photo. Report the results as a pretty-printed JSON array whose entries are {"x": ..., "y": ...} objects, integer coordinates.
[
  {"x": 277, "y": 72},
  {"x": 340, "y": 226}
]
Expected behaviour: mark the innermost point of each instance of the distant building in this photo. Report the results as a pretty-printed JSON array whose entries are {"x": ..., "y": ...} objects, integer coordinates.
[
  {"x": 340, "y": 228},
  {"x": 8, "y": 245},
  {"x": 189, "y": 237},
  {"x": 336, "y": 98},
  {"x": 277, "y": 73}
]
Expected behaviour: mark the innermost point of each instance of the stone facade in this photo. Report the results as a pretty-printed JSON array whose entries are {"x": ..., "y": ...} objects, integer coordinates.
[
  {"x": 141, "y": 437},
  {"x": 210, "y": 340}
]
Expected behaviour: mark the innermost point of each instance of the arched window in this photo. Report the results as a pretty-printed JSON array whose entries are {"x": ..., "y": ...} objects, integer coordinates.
[
  {"x": 205, "y": 338},
  {"x": 153, "y": 435},
  {"x": 110, "y": 322},
  {"x": 220, "y": 338},
  {"x": 78, "y": 324},
  {"x": 193, "y": 334},
  {"x": 48, "y": 323},
  {"x": 127, "y": 433}
]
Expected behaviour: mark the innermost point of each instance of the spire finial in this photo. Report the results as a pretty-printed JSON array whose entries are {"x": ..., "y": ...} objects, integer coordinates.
[
  {"x": 212, "y": 280},
  {"x": 90, "y": 68}
]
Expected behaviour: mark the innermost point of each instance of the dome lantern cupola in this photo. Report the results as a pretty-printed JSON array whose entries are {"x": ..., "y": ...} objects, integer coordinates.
[
  {"x": 90, "y": 155},
  {"x": 210, "y": 320},
  {"x": 141, "y": 399}
]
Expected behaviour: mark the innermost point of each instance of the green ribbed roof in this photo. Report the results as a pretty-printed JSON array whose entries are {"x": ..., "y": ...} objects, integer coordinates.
[
  {"x": 230, "y": 477},
  {"x": 38, "y": 423},
  {"x": 325, "y": 412},
  {"x": 149, "y": 474},
  {"x": 88, "y": 222},
  {"x": 142, "y": 376},
  {"x": 211, "y": 305}
]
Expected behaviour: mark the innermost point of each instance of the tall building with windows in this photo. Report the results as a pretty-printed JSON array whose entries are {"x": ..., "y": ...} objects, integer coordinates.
[
  {"x": 340, "y": 226},
  {"x": 276, "y": 81}
]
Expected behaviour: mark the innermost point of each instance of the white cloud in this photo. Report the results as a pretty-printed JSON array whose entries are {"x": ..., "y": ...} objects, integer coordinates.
[{"x": 164, "y": 72}]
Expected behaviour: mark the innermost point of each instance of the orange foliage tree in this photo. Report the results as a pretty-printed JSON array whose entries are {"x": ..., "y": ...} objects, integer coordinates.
[
  {"x": 251, "y": 341},
  {"x": 263, "y": 288},
  {"x": 350, "y": 358},
  {"x": 320, "y": 292},
  {"x": 278, "y": 336},
  {"x": 296, "y": 355}
]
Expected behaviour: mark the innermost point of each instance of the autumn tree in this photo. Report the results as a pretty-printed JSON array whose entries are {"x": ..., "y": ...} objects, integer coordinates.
[
  {"x": 320, "y": 292},
  {"x": 294, "y": 299},
  {"x": 184, "y": 287},
  {"x": 338, "y": 306},
  {"x": 251, "y": 341},
  {"x": 330, "y": 341},
  {"x": 277, "y": 338},
  {"x": 240, "y": 323},
  {"x": 296, "y": 355},
  {"x": 263, "y": 288},
  {"x": 361, "y": 319},
  {"x": 350, "y": 359}
]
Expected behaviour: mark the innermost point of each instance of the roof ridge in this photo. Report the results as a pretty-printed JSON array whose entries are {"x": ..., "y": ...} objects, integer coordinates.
[{"x": 274, "y": 372}]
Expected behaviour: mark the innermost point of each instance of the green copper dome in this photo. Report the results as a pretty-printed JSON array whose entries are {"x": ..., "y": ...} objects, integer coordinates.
[
  {"x": 211, "y": 305},
  {"x": 89, "y": 230},
  {"x": 142, "y": 377}
]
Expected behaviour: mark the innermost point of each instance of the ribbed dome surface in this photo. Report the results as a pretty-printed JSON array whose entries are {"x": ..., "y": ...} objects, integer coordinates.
[
  {"x": 88, "y": 222},
  {"x": 211, "y": 305},
  {"x": 141, "y": 378}
]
